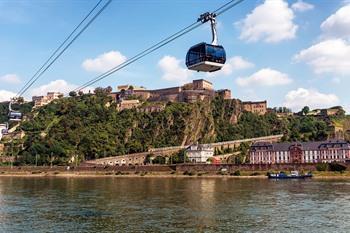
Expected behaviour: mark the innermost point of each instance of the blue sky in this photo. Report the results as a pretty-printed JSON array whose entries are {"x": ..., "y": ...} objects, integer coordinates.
[{"x": 291, "y": 53}]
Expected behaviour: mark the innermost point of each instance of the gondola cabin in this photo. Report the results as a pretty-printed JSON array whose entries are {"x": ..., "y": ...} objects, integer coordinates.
[
  {"x": 205, "y": 57},
  {"x": 15, "y": 116}
]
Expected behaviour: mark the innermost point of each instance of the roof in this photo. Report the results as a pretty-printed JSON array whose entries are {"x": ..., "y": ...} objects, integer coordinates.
[
  {"x": 199, "y": 147},
  {"x": 198, "y": 80},
  {"x": 255, "y": 102},
  {"x": 285, "y": 146}
]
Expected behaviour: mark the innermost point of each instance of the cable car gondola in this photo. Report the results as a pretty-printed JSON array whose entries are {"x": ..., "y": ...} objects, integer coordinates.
[
  {"x": 14, "y": 115},
  {"x": 206, "y": 57}
]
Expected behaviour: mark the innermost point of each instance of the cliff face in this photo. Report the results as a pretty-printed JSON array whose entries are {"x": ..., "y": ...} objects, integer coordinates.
[
  {"x": 87, "y": 126},
  {"x": 207, "y": 117},
  {"x": 341, "y": 127}
]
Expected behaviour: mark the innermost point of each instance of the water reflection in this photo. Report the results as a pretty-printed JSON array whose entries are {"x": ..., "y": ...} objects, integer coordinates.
[{"x": 172, "y": 205}]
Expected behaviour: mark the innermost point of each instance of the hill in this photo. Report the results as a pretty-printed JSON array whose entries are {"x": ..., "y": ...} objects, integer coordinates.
[{"x": 90, "y": 126}]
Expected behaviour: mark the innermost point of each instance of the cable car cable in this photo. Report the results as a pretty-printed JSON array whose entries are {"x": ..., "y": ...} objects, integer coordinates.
[
  {"x": 222, "y": 9},
  {"x": 66, "y": 47},
  {"x": 160, "y": 44},
  {"x": 59, "y": 47},
  {"x": 141, "y": 55}
]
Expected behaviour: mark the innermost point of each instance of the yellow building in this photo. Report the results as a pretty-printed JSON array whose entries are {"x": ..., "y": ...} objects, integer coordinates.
[{"x": 259, "y": 107}]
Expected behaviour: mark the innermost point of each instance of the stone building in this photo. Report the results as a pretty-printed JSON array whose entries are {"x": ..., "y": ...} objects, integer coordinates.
[
  {"x": 224, "y": 93},
  {"x": 128, "y": 104},
  {"x": 299, "y": 152},
  {"x": 259, "y": 107},
  {"x": 191, "y": 92},
  {"x": 40, "y": 101},
  {"x": 156, "y": 107},
  {"x": 2, "y": 149},
  {"x": 197, "y": 153}
]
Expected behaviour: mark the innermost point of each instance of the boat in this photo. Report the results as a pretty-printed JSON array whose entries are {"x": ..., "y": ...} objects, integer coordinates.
[{"x": 292, "y": 175}]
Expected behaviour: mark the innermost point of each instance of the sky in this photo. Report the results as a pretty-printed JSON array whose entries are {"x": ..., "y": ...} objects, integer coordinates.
[{"x": 291, "y": 53}]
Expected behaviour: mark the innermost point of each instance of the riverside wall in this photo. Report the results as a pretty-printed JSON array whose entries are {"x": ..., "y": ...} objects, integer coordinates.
[
  {"x": 180, "y": 168},
  {"x": 244, "y": 167}
]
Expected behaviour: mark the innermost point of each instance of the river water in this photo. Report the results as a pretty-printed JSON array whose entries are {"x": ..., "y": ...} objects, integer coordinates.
[{"x": 106, "y": 204}]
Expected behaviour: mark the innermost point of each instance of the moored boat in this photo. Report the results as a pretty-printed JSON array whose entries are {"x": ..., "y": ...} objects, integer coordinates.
[{"x": 292, "y": 175}]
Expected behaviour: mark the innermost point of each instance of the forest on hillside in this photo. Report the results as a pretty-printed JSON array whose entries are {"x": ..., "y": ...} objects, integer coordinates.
[{"x": 89, "y": 126}]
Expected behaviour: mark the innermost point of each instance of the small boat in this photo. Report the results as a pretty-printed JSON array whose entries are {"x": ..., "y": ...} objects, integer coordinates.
[{"x": 292, "y": 175}]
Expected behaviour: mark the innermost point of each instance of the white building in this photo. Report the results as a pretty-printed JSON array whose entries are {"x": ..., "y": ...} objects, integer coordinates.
[{"x": 199, "y": 153}]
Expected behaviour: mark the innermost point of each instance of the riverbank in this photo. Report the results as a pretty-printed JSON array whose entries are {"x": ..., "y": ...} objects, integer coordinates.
[{"x": 93, "y": 174}]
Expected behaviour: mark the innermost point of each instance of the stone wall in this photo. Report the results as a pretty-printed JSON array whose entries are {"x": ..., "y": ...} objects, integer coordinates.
[{"x": 213, "y": 168}]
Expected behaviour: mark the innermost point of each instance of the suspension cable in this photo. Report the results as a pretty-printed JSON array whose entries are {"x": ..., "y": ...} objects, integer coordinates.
[
  {"x": 41, "y": 71},
  {"x": 158, "y": 45},
  {"x": 140, "y": 55}
]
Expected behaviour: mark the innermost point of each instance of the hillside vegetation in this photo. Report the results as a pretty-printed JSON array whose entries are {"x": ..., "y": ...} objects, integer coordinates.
[{"x": 89, "y": 127}]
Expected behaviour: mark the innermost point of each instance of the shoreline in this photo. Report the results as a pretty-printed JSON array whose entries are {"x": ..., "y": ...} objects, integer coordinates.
[{"x": 72, "y": 174}]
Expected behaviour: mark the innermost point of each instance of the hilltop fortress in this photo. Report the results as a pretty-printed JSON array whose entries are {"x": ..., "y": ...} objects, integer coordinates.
[{"x": 199, "y": 90}]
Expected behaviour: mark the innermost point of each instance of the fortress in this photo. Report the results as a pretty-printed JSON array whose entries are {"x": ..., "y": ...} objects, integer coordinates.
[
  {"x": 198, "y": 90},
  {"x": 189, "y": 93}
]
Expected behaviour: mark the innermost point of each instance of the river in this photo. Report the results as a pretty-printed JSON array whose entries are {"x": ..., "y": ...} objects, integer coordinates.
[{"x": 106, "y": 204}]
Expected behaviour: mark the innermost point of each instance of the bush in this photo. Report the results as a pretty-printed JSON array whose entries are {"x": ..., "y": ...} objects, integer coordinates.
[
  {"x": 191, "y": 173},
  {"x": 321, "y": 167},
  {"x": 336, "y": 167},
  {"x": 236, "y": 173},
  {"x": 143, "y": 173},
  {"x": 255, "y": 174}
]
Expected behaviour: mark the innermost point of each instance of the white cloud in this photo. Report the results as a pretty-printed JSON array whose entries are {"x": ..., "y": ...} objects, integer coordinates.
[
  {"x": 338, "y": 24},
  {"x": 301, "y": 6},
  {"x": 232, "y": 64},
  {"x": 264, "y": 77},
  {"x": 56, "y": 86},
  {"x": 330, "y": 56},
  {"x": 271, "y": 22},
  {"x": 10, "y": 78},
  {"x": 6, "y": 95},
  {"x": 172, "y": 70},
  {"x": 59, "y": 85},
  {"x": 104, "y": 61},
  {"x": 297, "y": 99}
]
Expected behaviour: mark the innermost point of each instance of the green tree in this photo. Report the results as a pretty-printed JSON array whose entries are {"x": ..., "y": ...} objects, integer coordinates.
[
  {"x": 305, "y": 110},
  {"x": 72, "y": 94}
]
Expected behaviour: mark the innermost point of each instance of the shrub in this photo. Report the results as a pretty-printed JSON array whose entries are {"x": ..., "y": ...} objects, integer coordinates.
[
  {"x": 321, "y": 167},
  {"x": 269, "y": 173},
  {"x": 143, "y": 173},
  {"x": 255, "y": 174},
  {"x": 236, "y": 173},
  {"x": 336, "y": 167},
  {"x": 191, "y": 173}
]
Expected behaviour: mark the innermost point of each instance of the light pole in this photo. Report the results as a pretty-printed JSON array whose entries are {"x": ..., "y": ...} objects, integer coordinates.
[{"x": 51, "y": 160}]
